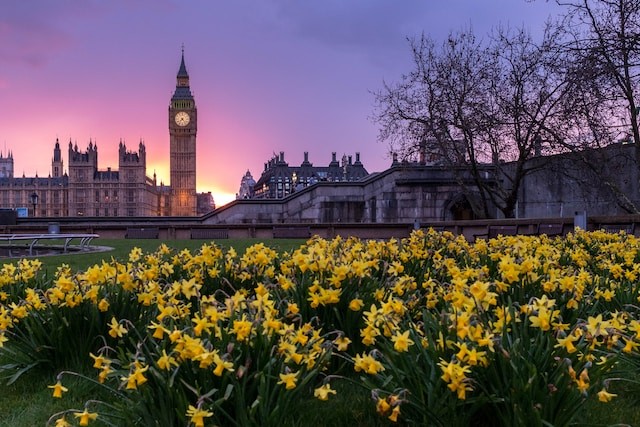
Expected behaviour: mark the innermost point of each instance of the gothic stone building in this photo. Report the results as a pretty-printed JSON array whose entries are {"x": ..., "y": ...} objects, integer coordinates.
[
  {"x": 84, "y": 190},
  {"x": 279, "y": 179},
  {"x": 126, "y": 192},
  {"x": 123, "y": 192},
  {"x": 47, "y": 195}
]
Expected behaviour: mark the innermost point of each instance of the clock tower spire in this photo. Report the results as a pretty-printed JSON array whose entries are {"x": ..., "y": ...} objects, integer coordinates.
[{"x": 182, "y": 145}]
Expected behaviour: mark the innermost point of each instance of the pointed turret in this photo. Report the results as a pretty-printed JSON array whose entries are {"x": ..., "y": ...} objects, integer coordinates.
[
  {"x": 182, "y": 78},
  {"x": 183, "y": 92},
  {"x": 182, "y": 72},
  {"x": 57, "y": 155},
  {"x": 56, "y": 162},
  {"x": 6, "y": 165}
]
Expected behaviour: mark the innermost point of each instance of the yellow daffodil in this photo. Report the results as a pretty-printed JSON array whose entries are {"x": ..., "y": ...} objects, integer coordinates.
[
  {"x": 221, "y": 365},
  {"x": 135, "y": 254},
  {"x": 62, "y": 422},
  {"x": 104, "y": 373},
  {"x": 201, "y": 325},
  {"x": 116, "y": 330},
  {"x": 605, "y": 396},
  {"x": 98, "y": 361},
  {"x": 18, "y": 311},
  {"x": 85, "y": 417},
  {"x": 165, "y": 362},
  {"x": 292, "y": 309},
  {"x": 242, "y": 329},
  {"x": 356, "y": 304},
  {"x": 103, "y": 305},
  {"x": 323, "y": 392},
  {"x": 396, "y": 268},
  {"x": 367, "y": 364},
  {"x": 58, "y": 389},
  {"x": 395, "y": 412},
  {"x": 455, "y": 375},
  {"x": 136, "y": 377},
  {"x": 583, "y": 381},
  {"x": 197, "y": 415},
  {"x": 401, "y": 341},
  {"x": 382, "y": 406},
  {"x": 630, "y": 346},
  {"x": 342, "y": 343},
  {"x": 3, "y": 339},
  {"x": 567, "y": 343},
  {"x": 158, "y": 329},
  {"x": 289, "y": 380},
  {"x": 543, "y": 318}
]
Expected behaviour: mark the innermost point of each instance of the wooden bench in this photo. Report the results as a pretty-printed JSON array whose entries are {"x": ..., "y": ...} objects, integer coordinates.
[
  {"x": 142, "y": 233},
  {"x": 628, "y": 228},
  {"x": 494, "y": 231},
  {"x": 209, "y": 233},
  {"x": 291, "y": 232},
  {"x": 551, "y": 229},
  {"x": 438, "y": 228}
]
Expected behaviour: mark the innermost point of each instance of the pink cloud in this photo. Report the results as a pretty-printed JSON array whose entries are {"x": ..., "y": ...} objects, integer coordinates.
[
  {"x": 30, "y": 44},
  {"x": 32, "y": 32}
]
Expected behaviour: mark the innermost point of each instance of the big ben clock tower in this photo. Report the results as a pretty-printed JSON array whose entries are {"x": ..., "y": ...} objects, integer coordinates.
[{"x": 183, "y": 125}]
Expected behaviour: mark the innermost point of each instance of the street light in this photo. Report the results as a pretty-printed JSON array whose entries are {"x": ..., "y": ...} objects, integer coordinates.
[
  {"x": 294, "y": 179},
  {"x": 34, "y": 201}
]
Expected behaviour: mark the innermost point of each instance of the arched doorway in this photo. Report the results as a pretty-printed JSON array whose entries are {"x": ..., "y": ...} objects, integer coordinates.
[{"x": 458, "y": 208}]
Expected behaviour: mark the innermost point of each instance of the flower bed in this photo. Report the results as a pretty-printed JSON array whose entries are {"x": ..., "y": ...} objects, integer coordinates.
[{"x": 517, "y": 330}]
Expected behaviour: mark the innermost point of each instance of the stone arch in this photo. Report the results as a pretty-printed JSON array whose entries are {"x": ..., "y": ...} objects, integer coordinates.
[{"x": 458, "y": 208}]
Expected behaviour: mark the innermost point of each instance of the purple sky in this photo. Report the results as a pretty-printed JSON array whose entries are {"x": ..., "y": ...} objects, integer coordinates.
[{"x": 267, "y": 76}]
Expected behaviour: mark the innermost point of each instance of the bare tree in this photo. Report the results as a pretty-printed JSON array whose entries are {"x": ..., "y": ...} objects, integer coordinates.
[
  {"x": 478, "y": 107},
  {"x": 602, "y": 45}
]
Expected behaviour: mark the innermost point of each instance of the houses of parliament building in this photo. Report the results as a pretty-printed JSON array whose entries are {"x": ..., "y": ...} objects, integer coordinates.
[{"x": 86, "y": 190}]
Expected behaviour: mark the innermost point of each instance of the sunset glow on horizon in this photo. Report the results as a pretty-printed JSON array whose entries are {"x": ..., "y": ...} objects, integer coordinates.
[{"x": 267, "y": 77}]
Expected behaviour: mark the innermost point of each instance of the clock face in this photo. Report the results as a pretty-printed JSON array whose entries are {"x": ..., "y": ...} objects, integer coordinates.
[{"x": 182, "y": 118}]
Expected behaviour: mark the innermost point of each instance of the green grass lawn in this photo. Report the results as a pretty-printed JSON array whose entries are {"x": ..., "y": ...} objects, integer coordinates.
[
  {"x": 120, "y": 249},
  {"x": 28, "y": 403}
]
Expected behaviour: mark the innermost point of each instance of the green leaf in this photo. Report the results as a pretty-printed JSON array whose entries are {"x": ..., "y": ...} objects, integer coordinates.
[{"x": 21, "y": 371}]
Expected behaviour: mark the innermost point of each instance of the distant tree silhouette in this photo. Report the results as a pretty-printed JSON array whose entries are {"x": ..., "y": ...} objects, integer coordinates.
[
  {"x": 601, "y": 44},
  {"x": 490, "y": 105},
  {"x": 479, "y": 107}
]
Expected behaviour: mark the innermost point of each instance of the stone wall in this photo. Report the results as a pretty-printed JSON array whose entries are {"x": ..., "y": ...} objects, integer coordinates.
[
  {"x": 566, "y": 184},
  {"x": 405, "y": 193},
  {"x": 402, "y": 194}
]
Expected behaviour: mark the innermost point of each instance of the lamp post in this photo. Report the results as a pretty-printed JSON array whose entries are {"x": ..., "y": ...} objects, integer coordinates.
[
  {"x": 34, "y": 201},
  {"x": 294, "y": 180}
]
